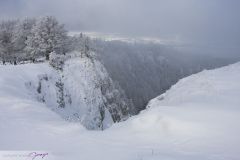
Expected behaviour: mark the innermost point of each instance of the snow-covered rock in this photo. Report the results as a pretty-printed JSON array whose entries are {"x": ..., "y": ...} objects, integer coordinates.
[
  {"x": 79, "y": 89},
  {"x": 90, "y": 94}
]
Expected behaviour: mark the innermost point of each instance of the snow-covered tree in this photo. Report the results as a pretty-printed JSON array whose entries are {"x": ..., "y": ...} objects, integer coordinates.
[
  {"x": 21, "y": 32},
  {"x": 47, "y": 36},
  {"x": 81, "y": 43},
  {"x": 7, "y": 49}
]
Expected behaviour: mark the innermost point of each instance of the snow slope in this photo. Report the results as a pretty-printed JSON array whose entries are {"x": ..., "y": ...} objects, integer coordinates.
[{"x": 196, "y": 119}]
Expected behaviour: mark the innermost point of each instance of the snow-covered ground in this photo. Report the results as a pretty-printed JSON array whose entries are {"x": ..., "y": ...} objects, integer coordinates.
[{"x": 197, "y": 119}]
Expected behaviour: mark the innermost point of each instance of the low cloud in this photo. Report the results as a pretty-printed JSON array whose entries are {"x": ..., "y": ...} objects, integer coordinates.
[{"x": 208, "y": 25}]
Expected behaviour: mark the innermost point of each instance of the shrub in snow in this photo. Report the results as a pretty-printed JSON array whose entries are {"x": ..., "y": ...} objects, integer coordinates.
[{"x": 57, "y": 60}]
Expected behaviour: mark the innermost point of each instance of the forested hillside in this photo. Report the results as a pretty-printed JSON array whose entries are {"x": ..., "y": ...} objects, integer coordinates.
[{"x": 145, "y": 70}]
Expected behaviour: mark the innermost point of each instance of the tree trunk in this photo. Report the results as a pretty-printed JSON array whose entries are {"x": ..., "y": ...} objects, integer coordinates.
[{"x": 47, "y": 56}]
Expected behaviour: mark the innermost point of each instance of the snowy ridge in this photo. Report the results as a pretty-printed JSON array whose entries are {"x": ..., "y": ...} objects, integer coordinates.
[
  {"x": 202, "y": 88},
  {"x": 196, "y": 119},
  {"x": 198, "y": 116}
]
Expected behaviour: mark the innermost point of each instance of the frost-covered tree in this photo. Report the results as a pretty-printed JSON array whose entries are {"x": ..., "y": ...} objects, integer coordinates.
[
  {"x": 7, "y": 49},
  {"x": 47, "y": 36},
  {"x": 83, "y": 44},
  {"x": 21, "y": 31}
]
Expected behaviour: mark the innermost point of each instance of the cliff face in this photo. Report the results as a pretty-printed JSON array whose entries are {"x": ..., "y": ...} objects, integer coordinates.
[{"x": 82, "y": 91}]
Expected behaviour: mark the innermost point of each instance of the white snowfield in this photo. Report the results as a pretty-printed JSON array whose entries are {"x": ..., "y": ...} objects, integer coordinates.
[{"x": 197, "y": 119}]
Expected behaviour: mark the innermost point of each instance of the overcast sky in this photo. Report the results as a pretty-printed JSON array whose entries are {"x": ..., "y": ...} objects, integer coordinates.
[{"x": 211, "y": 24}]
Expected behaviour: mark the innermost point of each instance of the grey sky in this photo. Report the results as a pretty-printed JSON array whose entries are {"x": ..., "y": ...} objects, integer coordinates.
[{"x": 213, "y": 24}]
